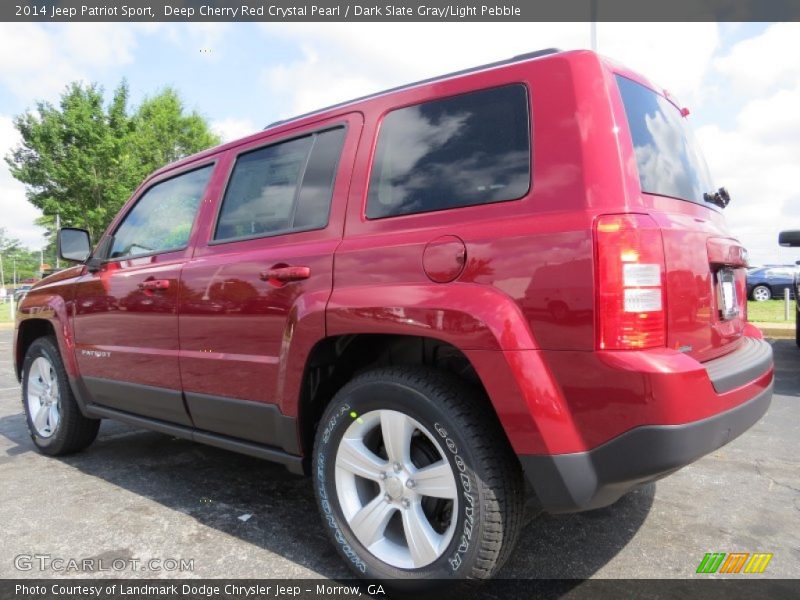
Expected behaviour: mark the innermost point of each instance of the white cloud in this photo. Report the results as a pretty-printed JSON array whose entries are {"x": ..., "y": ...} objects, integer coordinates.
[
  {"x": 37, "y": 61},
  {"x": 757, "y": 161},
  {"x": 330, "y": 85},
  {"x": 345, "y": 60},
  {"x": 232, "y": 128},
  {"x": 764, "y": 61},
  {"x": 17, "y": 215},
  {"x": 97, "y": 44},
  {"x": 32, "y": 65},
  {"x": 642, "y": 47}
]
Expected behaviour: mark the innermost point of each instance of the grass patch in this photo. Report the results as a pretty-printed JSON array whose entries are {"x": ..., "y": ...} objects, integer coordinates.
[
  {"x": 770, "y": 311},
  {"x": 5, "y": 313}
]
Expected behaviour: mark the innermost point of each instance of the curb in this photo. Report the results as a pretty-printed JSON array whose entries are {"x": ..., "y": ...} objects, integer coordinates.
[{"x": 780, "y": 331}]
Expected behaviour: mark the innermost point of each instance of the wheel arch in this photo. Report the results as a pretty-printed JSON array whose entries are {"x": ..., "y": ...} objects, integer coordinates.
[
  {"x": 28, "y": 332},
  {"x": 335, "y": 360}
]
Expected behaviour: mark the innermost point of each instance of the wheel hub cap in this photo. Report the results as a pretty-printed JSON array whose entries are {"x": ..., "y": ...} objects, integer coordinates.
[{"x": 394, "y": 487}]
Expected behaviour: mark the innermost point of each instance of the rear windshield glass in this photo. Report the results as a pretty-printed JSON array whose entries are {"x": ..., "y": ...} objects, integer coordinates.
[{"x": 670, "y": 161}]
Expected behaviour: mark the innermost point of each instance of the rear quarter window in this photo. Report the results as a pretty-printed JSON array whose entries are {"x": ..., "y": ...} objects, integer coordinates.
[{"x": 460, "y": 151}]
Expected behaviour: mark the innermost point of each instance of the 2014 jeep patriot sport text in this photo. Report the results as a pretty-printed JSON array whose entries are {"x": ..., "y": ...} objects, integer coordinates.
[{"x": 421, "y": 298}]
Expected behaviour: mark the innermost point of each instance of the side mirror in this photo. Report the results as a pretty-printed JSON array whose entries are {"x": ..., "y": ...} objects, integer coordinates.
[
  {"x": 789, "y": 238},
  {"x": 74, "y": 244}
]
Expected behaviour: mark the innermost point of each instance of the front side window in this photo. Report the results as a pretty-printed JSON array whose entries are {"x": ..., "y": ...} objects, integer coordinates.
[
  {"x": 461, "y": 151},
  {"x": 668, "y": 157},
  {"x": 281, "y": 188},
  {"x": 162, "y": 218}
]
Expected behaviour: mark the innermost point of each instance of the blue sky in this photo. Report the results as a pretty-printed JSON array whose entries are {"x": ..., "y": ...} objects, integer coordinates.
[{"x": 741, "y": 82}]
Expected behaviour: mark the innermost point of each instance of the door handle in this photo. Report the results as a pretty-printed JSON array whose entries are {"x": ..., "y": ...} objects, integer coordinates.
[
  {"x": 281, "y": 275},
  {"x": 154, "y": 284}
]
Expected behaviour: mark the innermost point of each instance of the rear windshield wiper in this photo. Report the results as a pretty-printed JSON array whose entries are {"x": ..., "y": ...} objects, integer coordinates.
[{"x": 721, "y": 197}]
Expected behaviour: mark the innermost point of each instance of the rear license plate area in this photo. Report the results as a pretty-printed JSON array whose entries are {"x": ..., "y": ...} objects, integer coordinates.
[{"x": 727, "y": 300}]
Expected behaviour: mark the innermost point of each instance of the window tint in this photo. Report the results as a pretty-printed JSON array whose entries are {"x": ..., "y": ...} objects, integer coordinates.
[
  {"x": 163, "y": 216},
  {"x": 461, "y": 151},
  {"x": 281, "y": 188},
  {"x": 669, "y": 160}
]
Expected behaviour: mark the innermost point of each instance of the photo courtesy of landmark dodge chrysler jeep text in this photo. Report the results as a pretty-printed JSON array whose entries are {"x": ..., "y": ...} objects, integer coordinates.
[{"x": 422, "y": 299}]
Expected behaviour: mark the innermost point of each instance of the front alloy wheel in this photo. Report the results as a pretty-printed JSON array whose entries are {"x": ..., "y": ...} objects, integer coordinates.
[
  {"x": 55, "y": 421},
  {"x": 43, "y": 397}
]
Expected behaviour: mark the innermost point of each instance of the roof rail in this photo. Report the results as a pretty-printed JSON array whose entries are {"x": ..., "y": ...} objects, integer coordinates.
[{"x": 499, "y": 63}]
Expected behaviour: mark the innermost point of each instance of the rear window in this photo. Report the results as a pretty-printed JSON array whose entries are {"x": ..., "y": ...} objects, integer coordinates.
[
  {"x": 669, "y": 160},
  {"x": 460, "y": 151}
]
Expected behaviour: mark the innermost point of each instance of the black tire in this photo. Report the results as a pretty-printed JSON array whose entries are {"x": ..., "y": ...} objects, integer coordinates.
[
  {"x": 74, "y": 431},
  {"x": 487, "y": 473},
  {"x": 764, "y": 289}
]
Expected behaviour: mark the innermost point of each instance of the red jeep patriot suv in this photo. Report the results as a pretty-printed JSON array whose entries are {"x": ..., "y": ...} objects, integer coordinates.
[{"x": 421, "y": 298}]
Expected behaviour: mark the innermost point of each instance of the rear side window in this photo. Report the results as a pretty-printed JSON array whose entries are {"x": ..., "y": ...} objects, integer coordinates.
[
  {"x": 461, "y": 151},
  {"x": 281, "y": 188},
  {"x": 668, "y": 157},
  {"x": 162, "y": 218}
]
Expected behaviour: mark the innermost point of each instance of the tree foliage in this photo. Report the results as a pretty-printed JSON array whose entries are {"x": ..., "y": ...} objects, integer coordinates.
[
  {"x": 14, "y": 255},
  {"x": 83, "y": 158}
]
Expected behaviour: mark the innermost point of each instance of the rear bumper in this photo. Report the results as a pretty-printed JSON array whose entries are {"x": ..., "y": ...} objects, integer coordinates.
[{"x": 595, "y": 478}]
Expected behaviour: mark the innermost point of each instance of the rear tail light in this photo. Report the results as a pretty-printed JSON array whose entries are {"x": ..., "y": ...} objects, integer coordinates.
[{"x": 631, "y": 308}]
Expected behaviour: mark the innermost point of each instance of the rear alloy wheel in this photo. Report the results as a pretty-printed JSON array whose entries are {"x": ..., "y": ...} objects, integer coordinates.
[
  {"x": 761, "y": 293},
  {"x": 415, "y": 478},
  {"x": 409, "y": 485}
]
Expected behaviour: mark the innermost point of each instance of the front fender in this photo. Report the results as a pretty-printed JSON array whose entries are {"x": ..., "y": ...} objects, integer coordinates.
[
  {"x": 52, "y": 309},
  {"x": 48, "y": 302}
]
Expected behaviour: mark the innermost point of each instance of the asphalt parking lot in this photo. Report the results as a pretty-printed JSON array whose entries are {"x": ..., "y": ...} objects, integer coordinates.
[{"x": 141, "y": 495}]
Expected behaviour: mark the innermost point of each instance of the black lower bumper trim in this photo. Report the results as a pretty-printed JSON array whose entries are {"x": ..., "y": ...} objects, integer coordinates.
[
  {"x": 752, "y": 358},
  {"x": 599, "y": 477}
]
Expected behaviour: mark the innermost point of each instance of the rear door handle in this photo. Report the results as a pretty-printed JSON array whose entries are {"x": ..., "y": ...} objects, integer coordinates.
[
  {"x": 154, "y": 284},
  {"x": 283, "y": 275}
]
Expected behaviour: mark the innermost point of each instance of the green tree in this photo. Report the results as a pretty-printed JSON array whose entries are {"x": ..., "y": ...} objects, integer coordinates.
[
  {"x": 163, "y": 133},
  {"x": 83, "y": 158}
]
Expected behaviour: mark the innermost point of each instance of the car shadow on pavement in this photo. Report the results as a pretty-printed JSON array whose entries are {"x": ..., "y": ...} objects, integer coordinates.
[
  {"x": 216, "y": 488},
  {"x": 576, "y": 546},
  {"x": 787, "y": 367}
]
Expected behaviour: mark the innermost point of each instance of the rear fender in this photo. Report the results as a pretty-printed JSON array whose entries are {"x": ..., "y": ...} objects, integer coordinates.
[
  {"x": 487, "y": 326},
  {"x": 470, "y": 317}
]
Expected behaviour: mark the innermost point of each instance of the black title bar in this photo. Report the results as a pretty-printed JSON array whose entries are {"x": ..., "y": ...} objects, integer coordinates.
[{"x": 399, "y": 11}]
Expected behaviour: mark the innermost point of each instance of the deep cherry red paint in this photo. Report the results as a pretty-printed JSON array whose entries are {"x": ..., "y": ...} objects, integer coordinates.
[{"x": 523, "y": 306}]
